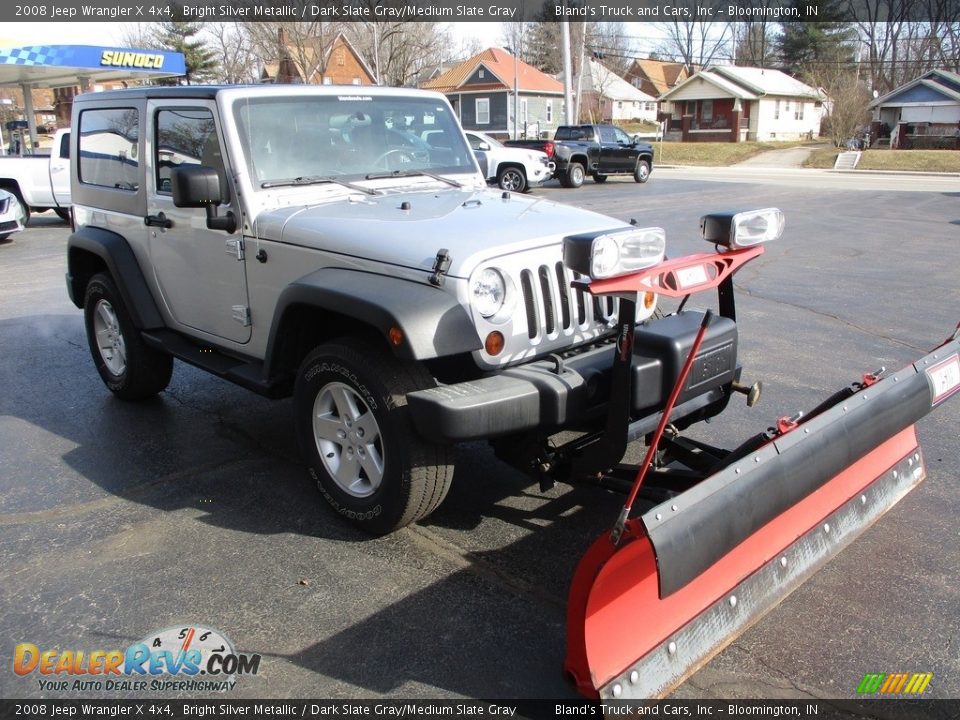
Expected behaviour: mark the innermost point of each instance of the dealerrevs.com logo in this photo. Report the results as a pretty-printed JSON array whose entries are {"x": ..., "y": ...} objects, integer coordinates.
[{"x": 174, "y": 659}]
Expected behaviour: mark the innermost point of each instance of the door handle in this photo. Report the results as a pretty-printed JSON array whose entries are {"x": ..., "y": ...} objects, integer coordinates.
[{"x": 158, "y": 220}]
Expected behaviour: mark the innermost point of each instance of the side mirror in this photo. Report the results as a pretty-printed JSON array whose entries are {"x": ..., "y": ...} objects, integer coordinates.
[
  {"x": 195, "y": 186},
  {"x": 198, "y": 186}
]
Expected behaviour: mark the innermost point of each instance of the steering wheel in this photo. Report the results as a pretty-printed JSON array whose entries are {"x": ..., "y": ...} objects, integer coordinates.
[{"x": 402, "y": 156}]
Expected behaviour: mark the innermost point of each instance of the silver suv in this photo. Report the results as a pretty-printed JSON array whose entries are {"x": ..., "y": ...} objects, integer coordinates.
[{"x": 340, "y": 245}]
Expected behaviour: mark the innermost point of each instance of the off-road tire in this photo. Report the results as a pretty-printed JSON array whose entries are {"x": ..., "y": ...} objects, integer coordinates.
[
  {"x": 512, "y": 179},
  {"x": 598, "y": 178},
  {"x": 415, "y": 475},
  {"x": 641, "y": 173},
  {"x": 573, "y": 176},
  {"x": 145, "y": 371}
]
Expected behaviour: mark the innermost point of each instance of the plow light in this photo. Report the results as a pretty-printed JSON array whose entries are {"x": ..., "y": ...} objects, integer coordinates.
[
  {"x": 614, "y": 253},
  {"x": 742, "y": 229}
]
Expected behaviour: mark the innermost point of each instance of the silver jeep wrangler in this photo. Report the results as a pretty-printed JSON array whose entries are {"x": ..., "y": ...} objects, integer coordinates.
[{"x": 339, "y": 244}]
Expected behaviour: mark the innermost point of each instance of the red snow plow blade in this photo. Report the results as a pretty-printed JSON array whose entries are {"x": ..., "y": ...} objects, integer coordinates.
[
  {"x": 692, "y": 573},
  {"x": 657, "y": 596}
]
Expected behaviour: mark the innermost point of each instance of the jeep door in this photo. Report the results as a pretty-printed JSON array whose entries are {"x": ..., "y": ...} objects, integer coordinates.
[{"x": 200, "y": 272}]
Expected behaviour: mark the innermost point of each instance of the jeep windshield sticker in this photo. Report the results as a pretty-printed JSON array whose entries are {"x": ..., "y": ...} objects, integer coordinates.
[{"x": 354, "y": 98}]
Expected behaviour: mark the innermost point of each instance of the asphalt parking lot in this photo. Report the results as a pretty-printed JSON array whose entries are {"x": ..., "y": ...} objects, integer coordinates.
[{"x": 118, "y": 520}]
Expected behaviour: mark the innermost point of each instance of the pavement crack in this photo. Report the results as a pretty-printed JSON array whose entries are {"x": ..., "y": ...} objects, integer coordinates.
[
  {"x": 249, "y": 440},
  {"x": 805, "y": 692}
]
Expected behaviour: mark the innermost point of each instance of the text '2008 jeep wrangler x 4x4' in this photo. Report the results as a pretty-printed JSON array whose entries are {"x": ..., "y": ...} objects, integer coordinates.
[{"x": 308, "y": 241}]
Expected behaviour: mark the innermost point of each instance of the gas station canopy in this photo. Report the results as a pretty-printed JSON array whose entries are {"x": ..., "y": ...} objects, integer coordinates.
[
  {"x": 52, "y": 66},
  {"x": 69, "y": 65}
]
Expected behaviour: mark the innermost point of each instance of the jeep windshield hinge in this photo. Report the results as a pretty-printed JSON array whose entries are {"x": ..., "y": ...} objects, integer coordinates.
[
  {"x": 234, "y": 247},
  {"x": 440, "y": 266}
]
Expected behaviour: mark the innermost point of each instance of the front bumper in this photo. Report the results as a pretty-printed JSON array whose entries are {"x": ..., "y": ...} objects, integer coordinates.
[{"x": 553, "y": 393}]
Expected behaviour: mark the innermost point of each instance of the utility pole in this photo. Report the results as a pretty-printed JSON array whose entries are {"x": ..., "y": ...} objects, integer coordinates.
[
  {"x": 515, "y": 52},
  {"x": 516, "y": 98},
  {"x": 567, "y": 81}
]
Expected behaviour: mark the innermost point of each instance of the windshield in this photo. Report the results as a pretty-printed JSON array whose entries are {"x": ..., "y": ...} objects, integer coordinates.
[{"x": 347, "y": 136}]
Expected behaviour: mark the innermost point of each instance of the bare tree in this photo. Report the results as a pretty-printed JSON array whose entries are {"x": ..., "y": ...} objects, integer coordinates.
[
  {"x": 609, "y": 42},
  {"x": 847, "y": 98},
  {"x": 137, "y": 35},
  {"x": 753, "y": 43},
  {"x": 303, "y": 42},
  {"x": 903, "y": 39},
  {"x": 695, "y": 44},
  {"x": 399, "y": 52},
  {"x": 234, "y": 51}
]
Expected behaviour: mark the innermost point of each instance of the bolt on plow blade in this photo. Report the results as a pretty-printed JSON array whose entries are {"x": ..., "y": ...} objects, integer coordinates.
[{"x": 691, "y": 574}]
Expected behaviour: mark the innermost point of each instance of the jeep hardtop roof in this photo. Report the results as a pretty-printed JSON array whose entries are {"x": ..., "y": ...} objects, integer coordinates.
[{"x": 210, "y": 92}]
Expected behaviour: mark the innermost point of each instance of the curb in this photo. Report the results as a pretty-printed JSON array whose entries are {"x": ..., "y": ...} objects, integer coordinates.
[{"x": 912, "y": 173}]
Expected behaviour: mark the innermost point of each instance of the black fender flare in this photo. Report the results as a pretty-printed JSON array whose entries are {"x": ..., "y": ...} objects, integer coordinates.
[
  {"x": 584, "y": 159},
  {"x": 121, "y": 262},
  {"x": 433, "y": 324}
]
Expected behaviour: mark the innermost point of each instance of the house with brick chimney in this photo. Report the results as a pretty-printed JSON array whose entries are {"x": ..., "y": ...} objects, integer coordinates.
[{"x": 314, "y": 62}]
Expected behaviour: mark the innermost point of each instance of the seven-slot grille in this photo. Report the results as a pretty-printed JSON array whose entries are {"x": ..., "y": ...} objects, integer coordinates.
[{"x": 554, "y": 307}]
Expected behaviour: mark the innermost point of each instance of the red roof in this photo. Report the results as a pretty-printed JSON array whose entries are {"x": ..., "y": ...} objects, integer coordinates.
[{"x": 501, "y": 65}]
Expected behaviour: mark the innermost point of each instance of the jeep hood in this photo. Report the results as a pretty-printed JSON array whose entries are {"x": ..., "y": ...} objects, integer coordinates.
[{"x": 408, "y": 229}]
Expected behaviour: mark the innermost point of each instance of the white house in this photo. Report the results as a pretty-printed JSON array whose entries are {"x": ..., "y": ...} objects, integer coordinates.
[
  {"x": 605, "y": 96},
  {"x": 733, "y": 103}
]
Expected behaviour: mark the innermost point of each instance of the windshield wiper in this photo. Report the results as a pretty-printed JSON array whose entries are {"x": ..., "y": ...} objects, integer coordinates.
[
  {"x": 413, "y": 173},
  {"x": 318, "y": 180}
]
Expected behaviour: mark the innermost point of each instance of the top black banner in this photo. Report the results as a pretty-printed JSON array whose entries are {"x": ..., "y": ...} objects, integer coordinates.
[{"x": 684, "y": 11}]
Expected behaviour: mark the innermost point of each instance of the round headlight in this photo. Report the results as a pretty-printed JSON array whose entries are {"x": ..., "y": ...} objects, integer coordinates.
[
  {"x": 488, "y": 292},
  {"x": 606, "y": 255}
]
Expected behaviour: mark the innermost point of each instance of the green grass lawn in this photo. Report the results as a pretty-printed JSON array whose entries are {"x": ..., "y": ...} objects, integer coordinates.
[
  {"x": 711, "y": 154},
  {"x": 898, "y": 160}
]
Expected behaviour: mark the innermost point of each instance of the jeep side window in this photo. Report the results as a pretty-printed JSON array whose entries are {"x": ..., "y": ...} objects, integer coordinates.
[
  {"x": 108, "y": 148},
  {"x": 186, "y": 137}
]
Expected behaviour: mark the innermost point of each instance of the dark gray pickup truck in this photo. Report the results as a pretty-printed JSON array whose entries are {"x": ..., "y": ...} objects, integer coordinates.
[{"x": 595, "y": 150}]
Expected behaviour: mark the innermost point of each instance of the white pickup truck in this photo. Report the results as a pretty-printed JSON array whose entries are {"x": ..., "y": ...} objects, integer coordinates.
[
  {"x": 515, "y": 169},
  {"x": 40, "y": 182}
]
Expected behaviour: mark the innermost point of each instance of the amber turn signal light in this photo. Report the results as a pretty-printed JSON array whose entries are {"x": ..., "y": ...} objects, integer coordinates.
[{"x": 494, "y": 343}]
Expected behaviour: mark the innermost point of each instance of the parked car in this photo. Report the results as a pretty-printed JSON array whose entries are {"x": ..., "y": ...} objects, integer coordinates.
[
  {"x": 11, "y": 215},
  {"x": 595, "y": 150},
  {"x": 40, "y": 182},
  {"x": 510, "y": 168}
]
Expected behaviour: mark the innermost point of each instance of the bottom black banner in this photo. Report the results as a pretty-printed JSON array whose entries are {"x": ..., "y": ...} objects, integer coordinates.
[{"x": 533, "y": 709}]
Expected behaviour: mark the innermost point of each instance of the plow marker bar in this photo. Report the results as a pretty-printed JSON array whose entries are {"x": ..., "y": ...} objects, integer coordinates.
[{"x": 696, "y": 571}]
